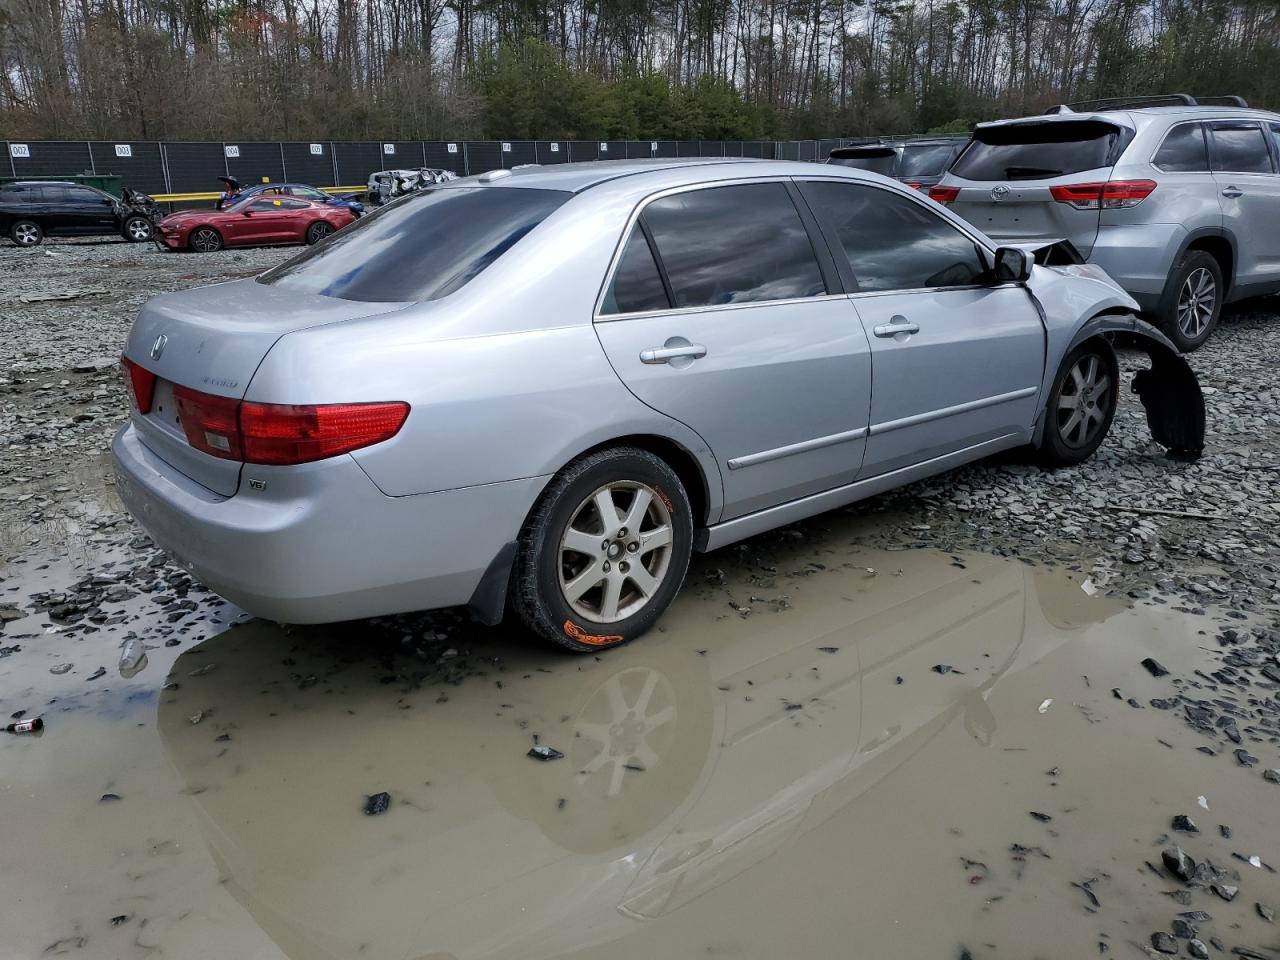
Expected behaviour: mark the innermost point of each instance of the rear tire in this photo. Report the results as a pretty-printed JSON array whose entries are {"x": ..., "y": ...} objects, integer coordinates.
[
  {"x": 205, "y": 240},
  {"x": 26, "y": 233},
  {"x": 137, "y": 229},
  {"x": 1192, "y": 301},
  {"x": 1081, "y": 405},
  {"x": 318, "y": 231},
  {"x": 584, "y": 580}
]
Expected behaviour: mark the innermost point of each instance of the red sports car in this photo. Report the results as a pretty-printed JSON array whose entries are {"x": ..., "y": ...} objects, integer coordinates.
[{"x": 253, "y": 222}]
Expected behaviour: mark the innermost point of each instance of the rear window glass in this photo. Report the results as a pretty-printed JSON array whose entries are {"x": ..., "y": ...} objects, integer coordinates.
[
  {"x": 881, "y": 160},
  {"x": 1183, "y": 150},
  {"x": 926, "y": 161},
  {"x": 1240, "y": 149},
  {"x": 637, "y": 285},
  {"x": 422, "y": 247},
  {"x": 1038, "y": 151}
]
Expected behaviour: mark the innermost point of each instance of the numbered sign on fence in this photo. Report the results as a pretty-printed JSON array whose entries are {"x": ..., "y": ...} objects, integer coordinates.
[
  {"x": 604, "y": 148},
  {"x": 317, "y": 149},
  {"x": 555, "y": 148},
  {"x": 453, "y": 148},
  {"x": 231, "y": 150},
  {"x": 19, "y": 150},
  {"x": 389, "y": 149},
  {"x": 506, "y": 147},
  {"x": 653, "y": 146},
  {"x": 124, "y": 150}
]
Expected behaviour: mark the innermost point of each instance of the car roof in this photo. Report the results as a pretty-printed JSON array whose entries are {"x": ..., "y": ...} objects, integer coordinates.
[
  {"x": 581, "y": 175},
  {"x": 46, "y": 183},
  {"x": 1132, "y": 115}
]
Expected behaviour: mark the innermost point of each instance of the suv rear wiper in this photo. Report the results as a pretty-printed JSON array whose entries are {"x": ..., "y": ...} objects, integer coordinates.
[{"x": 1024, "y": 173}]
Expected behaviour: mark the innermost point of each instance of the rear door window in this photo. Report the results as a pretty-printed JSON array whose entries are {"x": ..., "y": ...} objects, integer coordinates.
[
  {"x": 736, "y": 244},
  {"x": 893, "y": 242},
  {"x": 1183, "y": 150},
  {"x": 637, "y": 285},
  {"x": 1239, "y": 148},
  {"x": 424, "y": 247},
  {"x": 1039, "y": 151}
]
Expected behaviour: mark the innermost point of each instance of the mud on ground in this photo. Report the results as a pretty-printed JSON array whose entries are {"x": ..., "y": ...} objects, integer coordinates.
[{"x": 920, "y": 726}]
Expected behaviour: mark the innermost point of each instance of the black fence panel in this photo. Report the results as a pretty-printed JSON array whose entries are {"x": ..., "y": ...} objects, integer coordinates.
[
  {"x": 808, "y": 150},
  {"x": 195, "y": 167},
  {"x": 357, "y": 159},
  {"x": 667, "y": 148},
  {"x": 825, "y": 147},
  {"x": 710, "y": 148},
  {"x": 580, "y": 150},
  {"x": 445, "y": 155},
  {"x": 483, "y": 155},
  {"x": 522, "y": 151},
  {"x": 252, "y": 163},
  {"x": 310, "y": 163},
  {"x": 552, "y": 151},
  {"x": 757, "y": 149},
  {"x": 613, "y": 150},
  {"x": 48, "y": 159},
  {"x": 405, "y": 154},
  {"x": 787, "y": 150},
  {"x": 638, "y": 149},
  {"x": 138, "y": 164},
  {"x": 687, "y": 148}
]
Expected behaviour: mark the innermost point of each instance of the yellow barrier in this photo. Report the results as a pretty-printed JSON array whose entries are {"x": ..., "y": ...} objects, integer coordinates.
[{"x": 214, "y": 195}]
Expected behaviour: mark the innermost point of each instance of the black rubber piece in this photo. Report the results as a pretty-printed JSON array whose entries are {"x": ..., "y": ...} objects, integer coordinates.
[{"x": 534, "y": 593}]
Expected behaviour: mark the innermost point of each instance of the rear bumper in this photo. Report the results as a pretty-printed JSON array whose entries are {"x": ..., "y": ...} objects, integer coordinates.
[
  {"x": 1139, "y": 257},
  {"x": 321, "y": 543}
]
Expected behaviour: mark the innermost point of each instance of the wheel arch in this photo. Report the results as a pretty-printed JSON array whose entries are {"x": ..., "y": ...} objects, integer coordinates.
[
  {"x": 1169, "y": 390},
  {"x": 1219, "y": 244}
]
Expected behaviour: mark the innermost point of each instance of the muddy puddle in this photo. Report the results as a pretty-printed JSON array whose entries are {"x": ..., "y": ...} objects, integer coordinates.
[{"x": 851, "y": 770}]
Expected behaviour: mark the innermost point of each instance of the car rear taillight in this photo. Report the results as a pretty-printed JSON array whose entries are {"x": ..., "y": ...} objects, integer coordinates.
[
  {"x": 211, "y": 423},
  {"x": 291, "y": 433},
  {"x": 912, "y": 185},
  {"x": 944, "y": 194},
  {"x": 141, "y": 383},
  {"x": 1114, "y": 194},
  {"x": 282, "y": 433}
]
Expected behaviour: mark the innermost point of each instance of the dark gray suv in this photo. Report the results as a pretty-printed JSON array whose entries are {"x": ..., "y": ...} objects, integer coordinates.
[{"x": 1178, "y": 200}]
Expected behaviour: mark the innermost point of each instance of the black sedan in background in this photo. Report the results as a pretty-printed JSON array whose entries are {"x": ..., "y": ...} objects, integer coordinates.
[{"x": 33, "y": 209}]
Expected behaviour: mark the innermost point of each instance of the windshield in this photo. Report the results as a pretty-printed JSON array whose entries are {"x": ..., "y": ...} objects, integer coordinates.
[
  {"x": 1036, "y": 151},
  {"x": 423, "y": 247},
  {"x": 239, "y": 203},
  {"x": 926, "y": 161},
  {"x": 876, "y": 159}
]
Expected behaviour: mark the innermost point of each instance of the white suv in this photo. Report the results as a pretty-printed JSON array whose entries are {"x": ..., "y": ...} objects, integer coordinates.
[{"x": 1178, "y": 200}]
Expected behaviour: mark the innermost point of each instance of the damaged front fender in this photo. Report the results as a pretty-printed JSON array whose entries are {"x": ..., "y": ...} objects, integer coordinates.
[{"x": 1170, "y": 391}]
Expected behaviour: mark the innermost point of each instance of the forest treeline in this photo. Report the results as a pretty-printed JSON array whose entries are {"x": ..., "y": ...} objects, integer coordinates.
[{"x": 603, "y": 69}]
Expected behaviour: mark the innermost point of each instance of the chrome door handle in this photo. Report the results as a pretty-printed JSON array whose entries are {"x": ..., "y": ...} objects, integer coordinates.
[
  {"x": 1232, "y": 192},
  {"x": 888, "y": 330},
  {"x": 664, "y": 354}
]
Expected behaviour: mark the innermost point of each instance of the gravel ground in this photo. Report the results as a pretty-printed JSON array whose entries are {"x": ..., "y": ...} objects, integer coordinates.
[{"x": 1200, "y": 538}]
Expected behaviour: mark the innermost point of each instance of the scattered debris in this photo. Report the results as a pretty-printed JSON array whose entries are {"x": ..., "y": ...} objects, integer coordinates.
[
  {"x": 376, "y": 803},
  {"x": 1154, "y": 667},
  {"x": 543, "y": 752}
]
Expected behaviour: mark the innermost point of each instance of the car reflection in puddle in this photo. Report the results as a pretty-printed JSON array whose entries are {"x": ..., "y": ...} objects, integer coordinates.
[{"x": 691, "y": 758}]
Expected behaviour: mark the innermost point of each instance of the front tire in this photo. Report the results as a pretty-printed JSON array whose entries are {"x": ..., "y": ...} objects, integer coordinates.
[
  {"x": 1192, "y": 302},
  {"x": 137, "y": 230},
  {"x": 26, "y": 233},
  {"x": 1081, "y": 405},
  {"x": 318, "y": 231},
  {"x": 205, "y": 240},
  {"x": 604, "y": 552}
]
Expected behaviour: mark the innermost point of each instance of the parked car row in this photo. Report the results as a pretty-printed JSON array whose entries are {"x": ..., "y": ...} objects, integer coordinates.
[
  {"x": 31, "y": 210},
  {"x": 1177, "y": 199}
]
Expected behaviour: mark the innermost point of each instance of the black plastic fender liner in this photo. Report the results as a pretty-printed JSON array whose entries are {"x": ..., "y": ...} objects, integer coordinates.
[{"x": 1170, "y": 391}]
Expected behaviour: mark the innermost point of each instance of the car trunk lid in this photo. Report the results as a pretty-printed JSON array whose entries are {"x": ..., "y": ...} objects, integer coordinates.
[
  {"x": 212, "y": 339},
  {"x": 1007, "y": 174}
]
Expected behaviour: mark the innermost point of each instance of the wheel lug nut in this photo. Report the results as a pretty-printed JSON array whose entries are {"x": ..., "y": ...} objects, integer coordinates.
[
  {"x": 622, "y": 533},
  {"x": 632, "y": 547},
  {"x": 606, "y": 566},
  {"x": 624, "y": 566}
]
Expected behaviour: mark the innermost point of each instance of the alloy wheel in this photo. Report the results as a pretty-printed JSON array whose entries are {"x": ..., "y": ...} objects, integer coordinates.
[
  {"x": 615, "y": 551},
  {"x": 1196, "y": 301},
  {"x": 139, "y": 230},
  {"x": 26, "y": 234},
  {"x": 205, "y": 240},
  {"x": 1084, "y": 399},
  {"x": 319, "y": 231}
]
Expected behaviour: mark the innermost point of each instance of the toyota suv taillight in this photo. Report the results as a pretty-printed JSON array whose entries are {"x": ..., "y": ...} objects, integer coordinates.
[
  {"x": 283, "y": 434},
  {"x": 943, "y": 194},
  {"x": 1112, "y": 195}
]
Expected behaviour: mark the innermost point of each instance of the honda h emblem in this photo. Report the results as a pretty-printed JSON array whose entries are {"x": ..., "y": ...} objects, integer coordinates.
[
  {"x": 999, "y": 193},
  {"x": 157, "y": 348}
]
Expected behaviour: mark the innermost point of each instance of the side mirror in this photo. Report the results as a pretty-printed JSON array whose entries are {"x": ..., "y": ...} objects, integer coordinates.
[{"x": 1012, "y": 265}]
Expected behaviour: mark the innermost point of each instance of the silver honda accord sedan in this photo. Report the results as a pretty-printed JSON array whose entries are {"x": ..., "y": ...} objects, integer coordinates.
[{"x": 537, "y": 391}]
